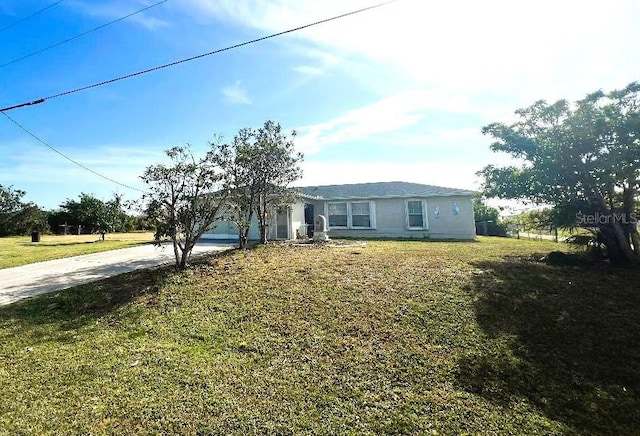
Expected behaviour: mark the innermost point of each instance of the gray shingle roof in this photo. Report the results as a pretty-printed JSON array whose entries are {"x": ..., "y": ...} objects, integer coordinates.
[{"x": 380, "y": 190}]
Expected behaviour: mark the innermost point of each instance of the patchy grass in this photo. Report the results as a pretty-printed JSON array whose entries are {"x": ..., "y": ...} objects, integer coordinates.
[
  {"x": 392, "y": 338},
  {"x": 19, "y": 250}
]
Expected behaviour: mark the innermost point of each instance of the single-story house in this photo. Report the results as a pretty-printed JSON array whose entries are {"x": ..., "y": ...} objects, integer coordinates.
[{"x": 370, "y": 210}]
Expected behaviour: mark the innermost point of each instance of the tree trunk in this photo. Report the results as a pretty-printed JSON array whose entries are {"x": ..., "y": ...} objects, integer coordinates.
[
  {"x": 630, "y": 224},
  {"x": 243, "y": 229},
  {"x": 618, "y": 245},
  {"x": 263, "y": 221},
  {"x": 614, "y": 236},
  {"x": 184, "y": 259},
  {"x": 186, "y": 254},
  {"x": 243, "y": 238},
  {"x": 176, "y": 250},
  {"x": 635, "y": 239}
]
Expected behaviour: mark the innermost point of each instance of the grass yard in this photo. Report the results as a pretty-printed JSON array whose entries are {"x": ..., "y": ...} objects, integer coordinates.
[
  {"x": 392, "y": 338},
  {"x": 19, "y": 250}
]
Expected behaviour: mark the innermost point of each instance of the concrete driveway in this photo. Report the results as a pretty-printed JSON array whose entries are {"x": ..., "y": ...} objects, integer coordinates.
[{"x": 42, "y": 277}]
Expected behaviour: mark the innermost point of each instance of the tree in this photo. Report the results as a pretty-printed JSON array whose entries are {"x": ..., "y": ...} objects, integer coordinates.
[
  {"x": 237, "y": 161},
  {"x": 115, "y": 218},
  {"x": 260, "y": 165},
  {"x": 185, "y": 198},
  {"x": 487, "y": 218},
  {"x": 10, "y": 206},
  {"x": 29, "y": 219},
  {"x": 95, "y": 214},
  {"x": 275, "y": 167},
  {"x": 18, "y": 218},
  {"x": 582, "y": 159}
]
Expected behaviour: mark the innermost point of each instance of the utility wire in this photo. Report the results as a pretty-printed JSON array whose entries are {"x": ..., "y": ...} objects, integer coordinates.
[
  {"x": 81, "y": 34},
  {"x": 42, "y": 100},
  {"x": 30, "y": 16},
  {"x": 33, "y": 135},
  {"x": 182, "y": 61}
]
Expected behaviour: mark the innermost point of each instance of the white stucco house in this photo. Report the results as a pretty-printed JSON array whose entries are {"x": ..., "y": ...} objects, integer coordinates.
[{"x": 370, "y": 210}]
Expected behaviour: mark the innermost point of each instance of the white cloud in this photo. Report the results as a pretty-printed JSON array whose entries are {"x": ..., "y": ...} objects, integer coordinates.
[
  {"x": 524, "y": 50},
  {"x": 446, "y": 59},
  {"x": 431, "y": 171},
  {"x": 48, "y": 177},
  {"x": 436, "y": 138},
  {"x": 115, "y": 10},
  {"x": 320, "y": 61},
  {"x": 236, "y": 94},
  {"x": 308, "y": 70},
  {"x": 428, "y": 172},
  {"x": 391, "y": 114}
]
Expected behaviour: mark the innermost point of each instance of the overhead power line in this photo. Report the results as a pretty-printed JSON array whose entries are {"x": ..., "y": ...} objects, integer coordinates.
[
  {"x": 22, "y": 20},
  {"x": 33, "y": 135},
  {"x": 182, "y": 61},
  {"x": 81, "y": 34}
]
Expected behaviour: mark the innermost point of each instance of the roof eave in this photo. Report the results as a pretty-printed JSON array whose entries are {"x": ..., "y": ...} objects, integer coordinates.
[{"x": 382, "y": 197}]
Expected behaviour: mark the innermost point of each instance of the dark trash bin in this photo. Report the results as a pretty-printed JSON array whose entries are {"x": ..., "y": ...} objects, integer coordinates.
[{"x": 35, "y": 236}]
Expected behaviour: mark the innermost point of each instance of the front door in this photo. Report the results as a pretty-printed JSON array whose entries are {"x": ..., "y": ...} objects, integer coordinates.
[
  {"x": 309, "y": 215},
  {"x": 282, "y": 223}
]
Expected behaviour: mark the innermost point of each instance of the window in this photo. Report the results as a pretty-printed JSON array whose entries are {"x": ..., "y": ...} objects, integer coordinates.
[
  {"x": 337, "y": 214},
  {"x": 351, "y": 214},
  {"x": 360, "y": 214},
  {"x": 416, "y": 218}
]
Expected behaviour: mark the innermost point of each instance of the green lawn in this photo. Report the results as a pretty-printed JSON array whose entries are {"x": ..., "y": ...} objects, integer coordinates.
[
  {"x": 391, "y": 338},
  {"x": 19, "y": 250}
]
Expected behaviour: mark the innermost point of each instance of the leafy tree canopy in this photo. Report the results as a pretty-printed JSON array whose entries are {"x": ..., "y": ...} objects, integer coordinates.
[
  {"x": 17, "y": 217},
  {"x": 260, "y": 165},
  {"x": 185, "y": 198},
  {"x": 583, "y": 159},
  {"x": 487, "y": 218},
  {"x": 95, "y": 214}
]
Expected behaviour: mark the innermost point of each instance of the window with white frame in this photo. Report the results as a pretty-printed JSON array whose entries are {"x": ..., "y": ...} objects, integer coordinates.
[
  {"x": 351, "y": 214},
  {"x": 337, "y": 214},
  {"x": 416, "y": 214},
  {"x": 361, "y": 214}
]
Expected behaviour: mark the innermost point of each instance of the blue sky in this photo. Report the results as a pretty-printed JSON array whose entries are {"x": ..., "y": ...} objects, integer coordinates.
[{"x": 397, "y": 93}]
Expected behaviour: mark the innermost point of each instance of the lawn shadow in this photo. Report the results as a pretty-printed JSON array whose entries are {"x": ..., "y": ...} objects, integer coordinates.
[
  {"x": 404, "y": 239},
  {"x": 59, "y": 244},
  {"x": 72, "y": 308},
  {"x": 573, "y": 335},
  {"x": 69, "y": 244}
]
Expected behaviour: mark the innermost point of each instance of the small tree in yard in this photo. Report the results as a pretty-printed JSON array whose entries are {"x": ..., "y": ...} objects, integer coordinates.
[
  {"x": 95, "y": 214},
  {"x": 18, "y": 218},
  {"x": 261, "y": 164},
  {"x": 10, "y": 206},
  {"x": 236, "y": 160},
  {"x": 185, "y": 199},
  {"x": 584, "y": 160},
  {"x": 276, "y": 167},
  {"x": 487, "y": 218}
]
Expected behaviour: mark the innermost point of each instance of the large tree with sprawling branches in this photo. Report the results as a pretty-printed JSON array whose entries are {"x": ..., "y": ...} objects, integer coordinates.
[{"x": 581, "y": 158}]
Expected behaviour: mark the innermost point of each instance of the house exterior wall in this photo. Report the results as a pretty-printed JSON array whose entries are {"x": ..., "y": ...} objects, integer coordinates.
[
  {"x": 451, "y": 225},
  {"x": 295, "y": 218},
  {"x": 227, "y": 230},
  {"x": 445, "y": 218},
  {"x": 298, "y": 228},
  {"x": 391, "y": 219}
]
